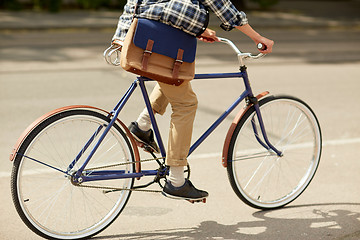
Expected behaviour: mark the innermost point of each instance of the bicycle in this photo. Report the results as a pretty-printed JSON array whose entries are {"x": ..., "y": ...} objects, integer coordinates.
[{"x": 74, "y": 168}]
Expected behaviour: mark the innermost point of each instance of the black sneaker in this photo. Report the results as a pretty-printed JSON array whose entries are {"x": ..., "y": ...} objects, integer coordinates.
[
  {"x": 185, "y": 192},
  {"x": 145, "y": 137}
]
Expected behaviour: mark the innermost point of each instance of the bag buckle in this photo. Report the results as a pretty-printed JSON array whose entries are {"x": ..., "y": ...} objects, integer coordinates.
[{"x": 148, "y": 51}]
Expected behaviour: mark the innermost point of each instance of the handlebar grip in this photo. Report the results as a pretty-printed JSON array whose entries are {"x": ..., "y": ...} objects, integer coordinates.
[{"x": 261, "y": 46}]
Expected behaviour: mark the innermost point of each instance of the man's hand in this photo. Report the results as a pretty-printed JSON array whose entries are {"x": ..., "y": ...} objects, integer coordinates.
[
  {"x": 257, "y": 38},
  {"x": 209, "y": 36},
  {"x": 267, "y": 43}
]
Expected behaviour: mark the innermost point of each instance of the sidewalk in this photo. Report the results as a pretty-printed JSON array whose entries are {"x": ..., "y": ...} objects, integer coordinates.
[{"x": 287, "y": 14}]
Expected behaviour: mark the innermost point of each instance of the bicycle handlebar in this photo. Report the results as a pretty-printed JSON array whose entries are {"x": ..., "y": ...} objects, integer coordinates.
[
  {"x": 240, "y": 54},
  {"x": 108, "y": 54},
  {"x": 115, "y": 50}
]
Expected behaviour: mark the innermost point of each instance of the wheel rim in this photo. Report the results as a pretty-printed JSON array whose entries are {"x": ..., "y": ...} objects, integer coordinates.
[
  {"x": 264, "y": 179},
  {"x": 51, "y": 203}
]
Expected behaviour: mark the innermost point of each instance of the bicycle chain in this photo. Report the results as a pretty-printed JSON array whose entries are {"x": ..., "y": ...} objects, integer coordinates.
[
  {"x": 122, "y": 164},
  {"x": 120, "y": 189}
]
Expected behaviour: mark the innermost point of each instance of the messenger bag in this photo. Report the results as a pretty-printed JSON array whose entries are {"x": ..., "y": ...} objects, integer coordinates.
[{"x": 158, "y": 51}]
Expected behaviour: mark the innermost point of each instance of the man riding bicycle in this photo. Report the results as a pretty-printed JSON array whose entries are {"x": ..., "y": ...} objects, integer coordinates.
[{"x": 192, "y": 17}]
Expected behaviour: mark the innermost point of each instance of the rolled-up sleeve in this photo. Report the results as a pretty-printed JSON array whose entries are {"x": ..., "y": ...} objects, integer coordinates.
[{"x": 227, "y": 13}]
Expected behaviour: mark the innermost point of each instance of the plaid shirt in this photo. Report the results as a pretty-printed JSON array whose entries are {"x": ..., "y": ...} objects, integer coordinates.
[{"x": 191, "y": 16}]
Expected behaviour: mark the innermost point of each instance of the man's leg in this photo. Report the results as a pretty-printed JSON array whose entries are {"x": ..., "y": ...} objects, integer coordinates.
[{"x": 183, "y": 102}]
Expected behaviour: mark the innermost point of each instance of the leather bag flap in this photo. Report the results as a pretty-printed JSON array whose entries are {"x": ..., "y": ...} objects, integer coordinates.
[{"x": 167, "y": 40}]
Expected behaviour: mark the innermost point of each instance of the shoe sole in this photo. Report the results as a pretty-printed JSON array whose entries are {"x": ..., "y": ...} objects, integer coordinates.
[{"x": 192, "y": 200}]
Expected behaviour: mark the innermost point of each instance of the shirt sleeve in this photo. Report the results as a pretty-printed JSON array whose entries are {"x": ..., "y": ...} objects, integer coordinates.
[
  {"x": 125, "y": 20},
  {"x": 227, "y": 13}
]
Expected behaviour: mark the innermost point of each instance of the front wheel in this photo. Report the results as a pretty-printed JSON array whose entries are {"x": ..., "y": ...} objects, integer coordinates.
[
  {"x": 44, "y": 193},
  {"x": 258, "y": 176}
]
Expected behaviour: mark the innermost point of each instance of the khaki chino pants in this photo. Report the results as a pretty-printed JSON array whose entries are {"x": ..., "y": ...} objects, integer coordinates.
[{"x": 183, "y": 103}]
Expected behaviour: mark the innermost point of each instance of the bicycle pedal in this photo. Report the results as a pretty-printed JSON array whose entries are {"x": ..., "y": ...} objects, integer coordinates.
[
  {"x": 197, "y": 201},
  {"x": 147, "y": 148},
  {"x": 144, "y": 146}
]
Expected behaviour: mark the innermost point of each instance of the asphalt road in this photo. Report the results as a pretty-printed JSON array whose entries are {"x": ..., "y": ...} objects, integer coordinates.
[{"x": 41, "y": 71}]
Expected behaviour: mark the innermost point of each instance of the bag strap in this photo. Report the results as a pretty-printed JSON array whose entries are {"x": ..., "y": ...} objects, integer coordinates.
[
  {"x": 147, "y": 53},
  {"x": 138, "y": 2},
  {"x": 177, "y": 64}
]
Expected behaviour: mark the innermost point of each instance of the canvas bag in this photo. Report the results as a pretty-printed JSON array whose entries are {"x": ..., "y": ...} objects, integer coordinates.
[{"x": 158, "y": 51}]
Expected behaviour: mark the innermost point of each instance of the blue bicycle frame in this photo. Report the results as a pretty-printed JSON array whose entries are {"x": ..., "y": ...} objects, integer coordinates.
[{"x": 140, "y": 81}]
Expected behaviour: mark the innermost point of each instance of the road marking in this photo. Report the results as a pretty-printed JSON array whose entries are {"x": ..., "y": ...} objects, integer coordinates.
[
  {"x": 336, "y": 142},
  {"x": 341, "y": 142},
  {"x": 4, "y": 174}
]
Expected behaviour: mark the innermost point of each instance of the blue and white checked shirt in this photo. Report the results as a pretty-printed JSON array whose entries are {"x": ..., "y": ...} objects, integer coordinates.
[{"x": 187, "y": 15}]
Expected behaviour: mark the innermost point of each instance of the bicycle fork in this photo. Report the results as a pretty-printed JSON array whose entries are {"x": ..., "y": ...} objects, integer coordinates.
[
  {"x": 266, "y": 144},
  {"x": 250, "y": 99}
]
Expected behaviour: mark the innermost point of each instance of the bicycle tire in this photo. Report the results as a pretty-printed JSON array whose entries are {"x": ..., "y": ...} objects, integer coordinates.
[
  {"x": 46, "y": 200},
  {"x": 259, "y": 177}
]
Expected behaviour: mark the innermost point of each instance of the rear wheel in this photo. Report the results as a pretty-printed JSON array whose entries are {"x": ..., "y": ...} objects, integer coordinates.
[
  {"x": 261, "y": 178},
  {"x": 47, "y": 199}
]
